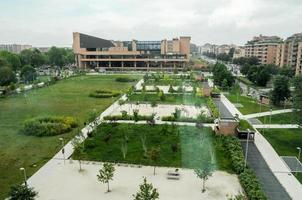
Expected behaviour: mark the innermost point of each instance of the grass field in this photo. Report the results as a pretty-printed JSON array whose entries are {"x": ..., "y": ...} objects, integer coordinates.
[
  {"x": 66, "y": 98},
  {"x": 286, "y": 118},
  {"x": 187, "y": 99},
  {"x": 285, "y": 141},
  {"x": 249, "y": 105},
  {"x": 194, "y": 145}
]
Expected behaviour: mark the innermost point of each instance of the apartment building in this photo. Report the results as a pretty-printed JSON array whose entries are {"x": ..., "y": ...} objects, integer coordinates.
[
  {"x": 14, "y": 48},
  {"x": 239, "y": 52},
  {"x": 264, "y": 48},
  {"x": 216, "y": 49},
  {"x": 289, "y": 53},
  {"x": 93, "y": 52}
]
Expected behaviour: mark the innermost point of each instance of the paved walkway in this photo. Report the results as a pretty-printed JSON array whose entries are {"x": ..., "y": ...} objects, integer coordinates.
[
  {"x": 274, "y": 112},
  {"x": 272, "y": 159},
  {"x": 285, "y": 126}
]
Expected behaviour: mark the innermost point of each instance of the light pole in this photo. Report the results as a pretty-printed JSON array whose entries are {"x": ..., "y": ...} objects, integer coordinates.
[
  {"x": 63, "y": 150},
  {"x": 24, "y": 173},
  {"x": 247, "y": 146},
  {"x": 299, "y": 154}
]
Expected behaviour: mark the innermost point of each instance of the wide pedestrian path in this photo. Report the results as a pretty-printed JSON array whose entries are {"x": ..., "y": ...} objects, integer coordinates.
[{"x": 262, "y": 114}]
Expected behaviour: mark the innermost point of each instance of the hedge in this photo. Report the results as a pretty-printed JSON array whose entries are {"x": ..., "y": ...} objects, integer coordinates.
[
  {"x": 48, "y": 126},
  {"x": 188, "y": 119},
  {"x": 247, "y": 177},
  {"x": 125, "y": 79},
  {"x": 213, "y": 108},
  {"x": 103, "y": 94},
  {"x": 129, "y": 117}
]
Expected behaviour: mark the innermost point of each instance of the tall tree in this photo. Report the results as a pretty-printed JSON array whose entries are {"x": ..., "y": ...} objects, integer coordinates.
[
  {"x": 22, "y": 192},
  {"x": 106, "y": 174},
  {"x": 297, "y": 98},
  {"x": 7, "y": 76},
  {"x": 11, "y": 59},
  {"x": 280, "y": 91},
  {"x": 57, "y": 56},
  {"x": 146, "y": 192},
  {"x": 154, "y": 155},
  {"x": 28, "y": 73}
]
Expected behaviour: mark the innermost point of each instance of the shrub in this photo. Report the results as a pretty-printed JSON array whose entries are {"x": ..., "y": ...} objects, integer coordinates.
[
  {"x": 213, "y": 108},
  {"x": 48, "y": 126},
  {"x": 125, "y": 79},
  {"x": 103, "y": 94},
  {"x": 129, "y": 117}
]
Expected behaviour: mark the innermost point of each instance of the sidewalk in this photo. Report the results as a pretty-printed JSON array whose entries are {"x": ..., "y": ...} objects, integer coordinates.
[
  {"x": 285, "y": 126},
  {"x": 274, "y": 112}
]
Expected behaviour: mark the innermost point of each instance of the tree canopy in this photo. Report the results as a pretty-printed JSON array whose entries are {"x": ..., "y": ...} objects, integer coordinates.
[
  {"x": 297, "y": 98},
  {"x": 281, "y": 90},
  {"x": 28, "y": 73},
  {"x": 222, "y": 76},
  {"x": 7, "y": 76},
  {"x": 22, "y": 192}
]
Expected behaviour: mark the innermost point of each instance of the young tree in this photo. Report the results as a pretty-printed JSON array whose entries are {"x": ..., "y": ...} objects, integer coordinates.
[
  {"x": 78, "y": 148},
  {"x": 154, "y": 155},
  {"x": 143, "y": 138},
  {"x": 161, "y": 95},
  {"x": 146, "y": 192},
  {"x": 297, "y": 98},
  {"x": 106, "y": 174},
  {"x": 124, "y": 148},
  {"x": 280, "y": 91},
  {"x": 204, "y": 173},
  {"x": 22, "y": 192}
]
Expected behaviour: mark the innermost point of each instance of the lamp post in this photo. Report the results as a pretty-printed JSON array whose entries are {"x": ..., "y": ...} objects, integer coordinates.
[
  {"x": 299, "y": 154},
  {"x": 247, "y": 146},
  {"x": 63, "y": 150},
  {"x": 24, "y": 173}
]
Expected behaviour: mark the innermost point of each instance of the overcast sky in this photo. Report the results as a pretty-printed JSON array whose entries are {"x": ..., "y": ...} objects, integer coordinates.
[{"x": 51, "y": 22}]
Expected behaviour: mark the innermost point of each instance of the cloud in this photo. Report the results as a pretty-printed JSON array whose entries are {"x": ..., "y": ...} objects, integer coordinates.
[{"x": 51, "y": 22}]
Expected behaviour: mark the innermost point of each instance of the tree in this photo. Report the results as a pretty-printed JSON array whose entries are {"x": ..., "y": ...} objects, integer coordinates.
[
  {"x": 281, "y": 90},
  {"x": 22, "y": 192},
  {"x": 7, "y": 76},
  {"x": 220, "y": 72},
  {"x": 28, "y": 73},
  {"x": 287, "y": 71},
  {"x": 161, "y": 95},
  {"x": 78, "y": 148},
  {"x": 57, "y": 56},
  {"x": 204, "y": 173},
  {"x": 154, "y": 155},
  {"x": 146, "y": 192},
  {"x": 106, "y": 174},
  {"x": 297, "y": 98},
  {"x": 11, "y": 59}
]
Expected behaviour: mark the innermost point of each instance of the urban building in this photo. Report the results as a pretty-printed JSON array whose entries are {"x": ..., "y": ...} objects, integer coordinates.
[
  {"x": 264, "y": 48},
  {"x": 289, "y": 53},
  {"x": 239, "y": 52},
  {"x": 14, "y": 48},
  {"x": 216, "y": 49},
  {"x": 92, "y": 52}
]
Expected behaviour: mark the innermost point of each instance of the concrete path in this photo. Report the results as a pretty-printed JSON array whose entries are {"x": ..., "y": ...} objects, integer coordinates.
[
  {"x": 285, "y": 126},
  {"x": 274, "y": 112}
]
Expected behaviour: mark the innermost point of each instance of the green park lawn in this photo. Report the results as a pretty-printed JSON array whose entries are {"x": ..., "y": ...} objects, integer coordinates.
[
  {"x": 193, "y": 145},
  {"x": 285, "y": 141},
  {"x": 249, "y": 105},
  {"x": 187, "y": 99},
  {"x": 68, "y": 97},
  {"x": 285, "y": 118}
]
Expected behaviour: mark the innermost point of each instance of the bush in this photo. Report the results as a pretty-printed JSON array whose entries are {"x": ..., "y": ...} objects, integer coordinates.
[
  {"x": 129, "y": 117},
  {"x": 103, "y": 94},
  {"x": 125, "y": 79},
  {"x": 188, "y": 119},
  {"x": 48, "y": 126},
  {"x": 213, "y": 108}
]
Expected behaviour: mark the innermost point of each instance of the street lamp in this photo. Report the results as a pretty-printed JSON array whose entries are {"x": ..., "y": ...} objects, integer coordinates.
[
  {"x": 24, "y": 173},
  {"x": 299, "y": 154},
  {"x": 247, "y": 146},
  {"x": 63, "y": 150}
]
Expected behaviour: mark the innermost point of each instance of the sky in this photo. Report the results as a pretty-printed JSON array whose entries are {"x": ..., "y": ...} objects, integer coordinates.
[{"x": 51, "y": 22}]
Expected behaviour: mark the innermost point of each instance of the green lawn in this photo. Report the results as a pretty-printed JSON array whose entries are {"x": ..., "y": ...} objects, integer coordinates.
[
  {"x": 249, "y": 105},
  {"x": 194, "y": 145},
  {"x": 171, "y": 81},
  {"x": 286, "y": 118},
  {"x": 68, "y": 97},
  {"x": 187, "y": 99},
  {"x": 285, "y": 141}
]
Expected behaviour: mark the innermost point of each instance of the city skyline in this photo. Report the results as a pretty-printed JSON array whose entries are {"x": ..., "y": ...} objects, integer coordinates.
[{"x": 218, "y": 21}]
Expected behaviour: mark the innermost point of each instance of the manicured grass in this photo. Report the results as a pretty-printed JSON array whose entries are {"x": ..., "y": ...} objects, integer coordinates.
[
  {"x": 68, "y": 97},
  {"x": 285, "y": 142},
  {"x": 285, "y": 118},
  {"x": 194, "y": 145},
  {"x": 249, "y": 105},
  {"x": 187, "y": 99}
]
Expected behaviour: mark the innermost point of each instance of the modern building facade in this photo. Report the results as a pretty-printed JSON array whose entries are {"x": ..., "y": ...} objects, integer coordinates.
[
  {"x": 289, "y": 53},
  {"x": 92, "y": 52},
  {"x": 14, "y": 48},
  {"x": 264, "y": 48}
]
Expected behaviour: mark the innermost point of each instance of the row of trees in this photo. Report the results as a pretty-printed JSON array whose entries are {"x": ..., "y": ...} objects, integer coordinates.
[
  {"x": 28, "y": 61},
  {"x": 227, "y": 57}
]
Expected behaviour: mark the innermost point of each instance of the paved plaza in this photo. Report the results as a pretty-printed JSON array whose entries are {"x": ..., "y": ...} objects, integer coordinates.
[{"x": 56, "y": 181}]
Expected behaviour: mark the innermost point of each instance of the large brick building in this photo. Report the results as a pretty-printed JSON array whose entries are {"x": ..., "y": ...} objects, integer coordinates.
[{"x": 93, "y": 52}]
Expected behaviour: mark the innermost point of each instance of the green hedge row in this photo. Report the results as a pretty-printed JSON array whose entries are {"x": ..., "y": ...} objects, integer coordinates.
[
  {"x": 187, "y": 119},
  {"x": 125, "y": 79},
  {"x": 103, "y": 94},
  {"x": 213, "y": 108},
  {"x": 48, "y": 126},
  {"x": 247, "y": 177},
  {"x": 129, "y": 117}
]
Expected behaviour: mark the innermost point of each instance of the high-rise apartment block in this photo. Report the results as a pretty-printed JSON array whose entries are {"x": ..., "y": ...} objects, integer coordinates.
[{"x": 14, "y": 48}]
